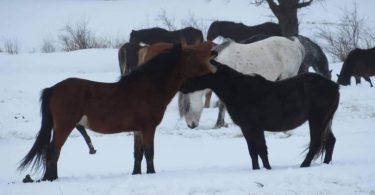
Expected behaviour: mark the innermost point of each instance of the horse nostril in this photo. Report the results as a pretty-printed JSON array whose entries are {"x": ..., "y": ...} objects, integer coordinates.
[{"x": 192, "y": 126}]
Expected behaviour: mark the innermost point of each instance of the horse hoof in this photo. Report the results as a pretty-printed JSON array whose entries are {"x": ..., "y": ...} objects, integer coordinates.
[
  {"x": 92, "y": 151},
  {"x": 218, "y": 126},
  {"x": 27, "y": 179}
]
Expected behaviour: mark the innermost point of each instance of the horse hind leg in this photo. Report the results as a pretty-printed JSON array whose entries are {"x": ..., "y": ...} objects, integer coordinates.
[
  {"x": 316, "y": 133},
  {"x": 59, "y": 137},
  {"x": 329, "y": 144},
  {"x": 138, "y": 152},
  {"x": 83, "y": 131}
]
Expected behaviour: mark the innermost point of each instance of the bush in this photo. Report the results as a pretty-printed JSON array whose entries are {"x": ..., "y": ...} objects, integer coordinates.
[
  {"x": 47, "y": 46},
  {"x": 11, "y": 46},
  {"x": 79, "y": 36}
]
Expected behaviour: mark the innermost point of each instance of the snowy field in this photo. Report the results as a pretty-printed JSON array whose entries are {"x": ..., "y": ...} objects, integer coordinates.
[{"x": 199, "y": 161}]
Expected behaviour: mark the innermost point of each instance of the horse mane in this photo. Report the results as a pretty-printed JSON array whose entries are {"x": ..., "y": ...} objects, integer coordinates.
[{"x": 162, "y": 63}]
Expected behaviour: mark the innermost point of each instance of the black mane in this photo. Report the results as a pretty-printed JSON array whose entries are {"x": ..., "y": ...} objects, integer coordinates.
[{"x": 158, "y": 66}]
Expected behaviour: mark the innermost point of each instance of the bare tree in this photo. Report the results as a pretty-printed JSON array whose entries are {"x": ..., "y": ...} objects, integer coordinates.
[
  {"x": 166, "y": 20},
  {"x": 351, "y": 32},
  {"x": 286, "y": 13}
]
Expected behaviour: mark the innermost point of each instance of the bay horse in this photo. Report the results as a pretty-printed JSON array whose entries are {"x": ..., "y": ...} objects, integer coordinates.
[
  {"x": 359, "y": 63},
  {"x": 314, "y": 55},
  {"x": 188, "y": 35},
  {"x": 240, "y": 31},
  {"x": 275, "y": 58},
  {"x": 102, "y": 108},
  {"x": 256, "y": 105}
]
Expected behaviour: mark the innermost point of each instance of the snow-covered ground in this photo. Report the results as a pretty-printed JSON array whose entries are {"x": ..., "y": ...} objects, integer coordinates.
[{"x": 199, "y": 161}]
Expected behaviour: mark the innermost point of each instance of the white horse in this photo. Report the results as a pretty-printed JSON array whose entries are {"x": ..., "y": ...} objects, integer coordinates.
[{"x": 274, "y": 58}]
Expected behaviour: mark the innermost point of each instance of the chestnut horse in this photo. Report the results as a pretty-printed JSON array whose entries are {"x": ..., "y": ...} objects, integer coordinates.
[
  {"x": 101, "y": 106},
  {"x": 239, "y": 31}
]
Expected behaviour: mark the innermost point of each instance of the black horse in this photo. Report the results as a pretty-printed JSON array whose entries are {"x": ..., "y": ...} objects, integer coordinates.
[
  {"x": 257, "y": 105},
  {"x": 359, "y": 63},
  {"x": 188, "y": 35},
  {"x": 314, "y": 55},
  {"x": 239, "y": 31}
]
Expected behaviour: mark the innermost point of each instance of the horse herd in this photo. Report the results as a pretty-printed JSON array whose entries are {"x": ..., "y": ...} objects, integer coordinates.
[{"x": 256, "y": 73}]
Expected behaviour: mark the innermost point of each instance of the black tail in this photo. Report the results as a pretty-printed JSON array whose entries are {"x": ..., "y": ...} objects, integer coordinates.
[
  {"x": 38, "y": 153},
  {"x": 328, "y": 130}
]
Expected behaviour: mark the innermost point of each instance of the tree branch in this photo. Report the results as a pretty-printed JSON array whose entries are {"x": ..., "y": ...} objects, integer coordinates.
[
  {"x": 304, "y": 4},
  {"x": 274, "y": 7}
]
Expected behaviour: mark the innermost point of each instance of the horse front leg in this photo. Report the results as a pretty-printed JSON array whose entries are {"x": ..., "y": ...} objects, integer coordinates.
[
  {"x": 261, "y": 147},
  {"x": 367, "y": 78},
  {"x": 208, "y": 98},
  {"x": 83, "y": 131},
  {"x": 138, "y": 152},
  {"x": 148, "y": 137},
  {"x": 220, "y": 118}
]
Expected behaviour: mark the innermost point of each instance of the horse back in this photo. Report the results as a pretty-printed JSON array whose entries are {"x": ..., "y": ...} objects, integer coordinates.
[
  {"x": 190, "y": 35},
  {"x": 359, "y": 63}
]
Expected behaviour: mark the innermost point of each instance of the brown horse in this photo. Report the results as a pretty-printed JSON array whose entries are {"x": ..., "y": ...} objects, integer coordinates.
[
  {"x": 188, "y": 35},
  {"x": 239, "y": 32},
  {"x": 101, "y": 106},
  {"x": 359, "y": 63}
]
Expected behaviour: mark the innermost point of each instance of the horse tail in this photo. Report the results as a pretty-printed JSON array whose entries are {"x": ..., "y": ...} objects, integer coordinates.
[
  {"x": 38, "y": 152},
  {"x": 329, "y": 117}
]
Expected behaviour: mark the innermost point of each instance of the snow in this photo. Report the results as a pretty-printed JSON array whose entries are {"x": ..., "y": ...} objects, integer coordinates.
[{"x": 199, "y": 161}]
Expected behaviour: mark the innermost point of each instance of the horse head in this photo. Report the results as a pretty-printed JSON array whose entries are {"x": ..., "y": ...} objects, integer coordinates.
[
  {"x": 196, "y": 59},
  {"x": 343, "y": 80}
]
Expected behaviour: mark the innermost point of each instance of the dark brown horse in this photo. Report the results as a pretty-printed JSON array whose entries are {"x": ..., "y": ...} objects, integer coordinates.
[
  {"x": 257, "y": 105},
  {"x": 101, "y": 106},
  {"x": 359, "y": 63},
  {"x": 239, "y": 31},
  {"x": 128, "y": 57},
  {"x": 188, "y": 35}
]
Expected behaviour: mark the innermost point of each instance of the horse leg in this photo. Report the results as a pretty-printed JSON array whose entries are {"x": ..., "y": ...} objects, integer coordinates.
[
  {"x": 367, "y": 78},
  {"x": 329, "y": 145},
  {"x": 83, "y": 131},
  {"x": 138, "y": 152},
  {"x": 316, "y": 132},
  {"x": 208, "y": 99},
  {"x": 59, "y": 137},
  {"x": 261, "y": 147},
  {"x": 357, "y": 80},
  {"x": 252, "y": 149},
  {"x": 220, "y": 118},
  {"x": 148, "y": 138}
]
